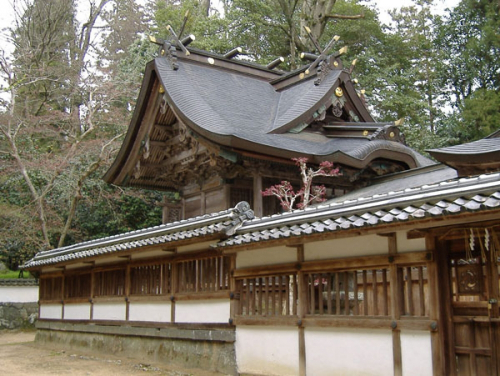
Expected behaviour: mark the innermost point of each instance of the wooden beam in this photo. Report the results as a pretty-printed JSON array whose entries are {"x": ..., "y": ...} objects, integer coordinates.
[{"x": 257, "y": 195}]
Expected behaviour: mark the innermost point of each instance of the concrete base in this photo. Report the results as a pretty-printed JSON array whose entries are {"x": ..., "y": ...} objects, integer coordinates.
[{"x": 209, "y": 349}]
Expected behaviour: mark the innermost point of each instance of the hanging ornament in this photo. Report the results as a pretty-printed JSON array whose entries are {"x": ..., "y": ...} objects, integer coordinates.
[{"x": 487, "y": 239}]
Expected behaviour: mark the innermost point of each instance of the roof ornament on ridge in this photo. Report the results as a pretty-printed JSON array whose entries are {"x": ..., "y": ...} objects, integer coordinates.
[
  {"x": 324, "y": 62},
  {"x": 168, "y": 47}
]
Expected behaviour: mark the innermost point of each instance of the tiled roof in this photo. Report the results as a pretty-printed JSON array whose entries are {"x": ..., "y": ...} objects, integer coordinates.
[
  {"x": 484, "y": 146},
  {"x": 19, "y": 282},
  {"x": 199, "y": 227},
  {"x": 429, "y": 201},
  {"x": 239, "y": 110}
]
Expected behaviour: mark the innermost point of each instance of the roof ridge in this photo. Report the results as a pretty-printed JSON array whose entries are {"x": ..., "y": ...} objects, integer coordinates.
[{"x": 232, "y": 218}]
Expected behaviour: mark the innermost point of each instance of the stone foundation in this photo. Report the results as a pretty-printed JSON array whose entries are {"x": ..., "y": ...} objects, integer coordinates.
[
  {"x": 18, "y": 315},
  {"x": 187, "y": 346}
]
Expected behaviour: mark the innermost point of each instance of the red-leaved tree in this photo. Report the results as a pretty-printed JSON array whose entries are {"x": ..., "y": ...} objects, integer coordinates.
[{"x": 308, "y": 194}]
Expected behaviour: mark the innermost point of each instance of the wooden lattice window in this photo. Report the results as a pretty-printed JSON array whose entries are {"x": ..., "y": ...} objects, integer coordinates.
[
  {"x": 51, "y": 288},
  {"x": 209, "y": 274},
  {"x": 414, "y": 286},
  {"x": 268, "y": 296},
  {"x": 349, "y": 293},
  {"x": 77, "y": 285},
  {"x": 109, "y": 282},
  {"x": 150, "y": 279}
]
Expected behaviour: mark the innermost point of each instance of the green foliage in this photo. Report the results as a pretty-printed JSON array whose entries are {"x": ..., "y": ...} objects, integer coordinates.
[
  {"x": 118, "y": 213},
  {"x": 11, "y": 274}
]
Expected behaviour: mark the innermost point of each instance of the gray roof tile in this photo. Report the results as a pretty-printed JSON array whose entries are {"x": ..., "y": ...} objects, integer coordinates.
[{"x": 473, "y": 194}]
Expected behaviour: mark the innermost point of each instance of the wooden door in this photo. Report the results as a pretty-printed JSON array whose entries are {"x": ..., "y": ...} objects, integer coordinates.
[{"x": 474, "y": 327}]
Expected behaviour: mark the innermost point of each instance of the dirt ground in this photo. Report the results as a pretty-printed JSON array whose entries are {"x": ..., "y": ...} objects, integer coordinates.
[{"x": 20, "y": 355}]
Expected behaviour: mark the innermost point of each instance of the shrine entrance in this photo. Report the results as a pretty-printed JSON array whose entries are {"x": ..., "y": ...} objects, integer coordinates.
[{"x": 470, "y": 282}]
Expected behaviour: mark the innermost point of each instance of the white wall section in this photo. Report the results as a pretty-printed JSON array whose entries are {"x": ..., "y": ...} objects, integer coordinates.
[
  {"x": 109, "y": 311},
  {"x": 79, "y": 311},
  {"x": 151, "y": 311},
  {"x": 203, "y": 311},
  {"x": 353, "y": 352},
  {"x": 267, "y": 350}
]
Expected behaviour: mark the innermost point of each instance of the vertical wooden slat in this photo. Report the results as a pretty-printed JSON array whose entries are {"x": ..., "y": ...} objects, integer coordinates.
[
  {"x": 251, "y": 298},
  {"x": 384, "y": 286},
  {"x": 346, "y": 293},
  {"x": 421, "y": 291},
  {"x": 273, "y": 295},
  {"x": 329, "y": 292},
  {"x": 247, "y": 296},
  {"x": 375, "y": 292},
  {"x": 337, "y": 293},
  {"x": 355, "y": 292},
  {"x": 409, "y": 292},
  {"x": 266, "y": 296},
  {"x": 280, "y": 295},
  {"x": 310, "y": 281},
  {"x": 287, "y": 293},
  {"x": 365, "y": 295},
  {"x": 295, "y": 306},
  {"x": 320, "y": 293}
]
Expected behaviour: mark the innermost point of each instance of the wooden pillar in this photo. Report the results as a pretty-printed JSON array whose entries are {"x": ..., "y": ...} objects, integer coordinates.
[
  {"x": 62, "y": 294},
  {"x": 302, "y": 310},
  {"x": 127, "y": 292},
  {"x": 92, "y": 293},
  {"x": 233, "y": 308},
  {"x": 396, "y": 299},
  {"x": 173, "y": 289},
  {"x": 440, "y": 309},
  {"x": 203, "y": 203},
  {"x": 257, "y": 196}
]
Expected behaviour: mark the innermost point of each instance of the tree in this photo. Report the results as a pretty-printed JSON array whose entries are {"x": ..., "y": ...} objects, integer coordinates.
[
  {"x": 60, "y": 126},
  {"x": 470, "y": 39},
  {"x": 308, "y": 194}
]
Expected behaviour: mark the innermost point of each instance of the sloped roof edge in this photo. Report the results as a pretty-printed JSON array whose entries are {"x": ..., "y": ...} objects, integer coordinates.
[
  {"x": 217, "y": 223},
  {"x": 435, "y": 200}
]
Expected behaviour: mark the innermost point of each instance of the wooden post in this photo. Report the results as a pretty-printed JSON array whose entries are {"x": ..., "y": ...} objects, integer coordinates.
[
  {"x": 233, "y": 308},
  {"x": 439, "y": 288},
  {"x": 62, "y": 294},
  {"x": 92, "y": 292},
  {"x": 257, "y": 196},
  {"x": 173, "y": 289},
  {"x": 395, "y": 306},
  {"x": 302, "y": 310},
  {"x": 127, "y": 292}
]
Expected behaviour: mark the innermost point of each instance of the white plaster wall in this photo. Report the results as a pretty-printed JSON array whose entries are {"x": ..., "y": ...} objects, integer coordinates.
[
  {"x": 416, "y": 353},
  {"x": 151, "y": 311},
  {"x": 203, "y": 311},
  {"x": 77, "y": 311},
  {"x": 266, "y": 350},
  {"x": 346, "y": 247},
  {"x": 18, "y": 294},
  {"x": 268, "y": 256},
  {"x": 109, "y": 311},
  {"x": 353, "y": 352},
  {"x": 50, "y": 311},
  {"x": 409, "y": 245}
]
